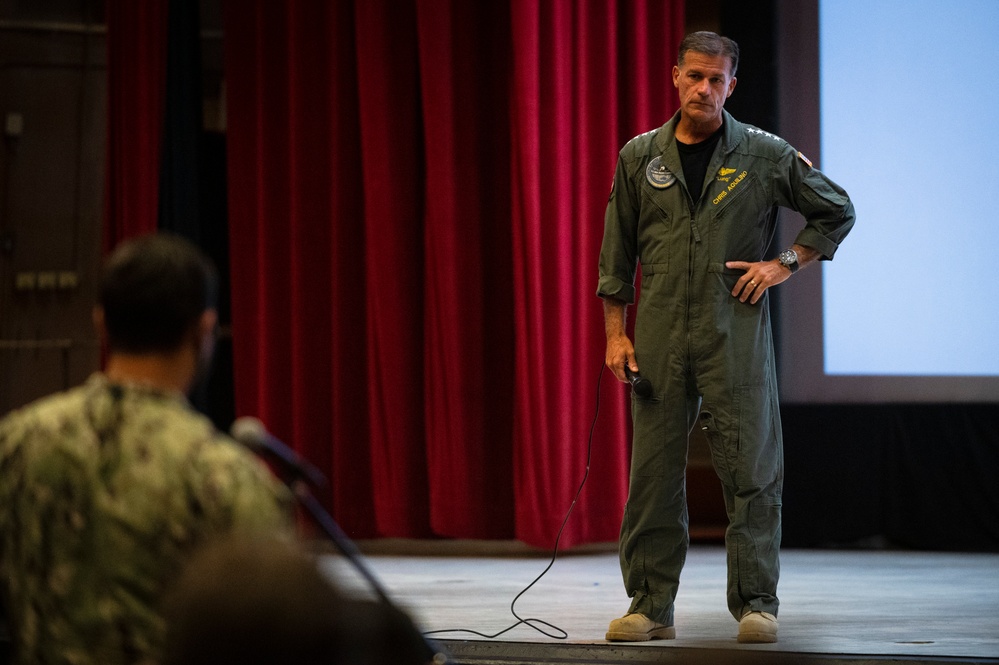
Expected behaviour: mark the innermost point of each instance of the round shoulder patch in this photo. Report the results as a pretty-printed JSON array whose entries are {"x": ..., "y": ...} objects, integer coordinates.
[{"x": 658, "y": 175}]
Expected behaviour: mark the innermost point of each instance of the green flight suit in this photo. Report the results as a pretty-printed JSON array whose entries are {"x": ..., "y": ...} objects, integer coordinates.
[{"x": 709, "y": 357}]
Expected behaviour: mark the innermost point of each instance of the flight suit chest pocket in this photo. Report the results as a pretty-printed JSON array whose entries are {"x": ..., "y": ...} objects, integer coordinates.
[
  {"x": 655, "y": 229},
  {"x": 741, "y": 217}
]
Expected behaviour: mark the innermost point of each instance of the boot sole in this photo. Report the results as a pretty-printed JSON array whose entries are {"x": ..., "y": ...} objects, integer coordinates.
[{"x": 667, "y": 633}]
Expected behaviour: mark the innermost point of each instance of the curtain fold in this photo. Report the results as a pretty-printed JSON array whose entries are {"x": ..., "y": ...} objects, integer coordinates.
[
  {"x": 137, "y": 57},
  {"x": 393, "y": 228},
  {"x": 416, "y": 195},
  {"x": 179, "y": 191},
  {"x": 587, "y": 77},
  {"x": 464, "y": 55}
]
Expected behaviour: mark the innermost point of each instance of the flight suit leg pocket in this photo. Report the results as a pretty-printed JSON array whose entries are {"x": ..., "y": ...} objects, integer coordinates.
[
  {"x": 717, "y": 423},
  {"x": 760, "y": 451},
  {"x": 648, "y": 452}
]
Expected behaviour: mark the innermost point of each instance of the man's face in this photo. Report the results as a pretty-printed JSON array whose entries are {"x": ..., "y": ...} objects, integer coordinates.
[{"x": 704, "y": 83}]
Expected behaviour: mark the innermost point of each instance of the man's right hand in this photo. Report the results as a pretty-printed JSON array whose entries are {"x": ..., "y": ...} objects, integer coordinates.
[{"x": 620, "y": 351}]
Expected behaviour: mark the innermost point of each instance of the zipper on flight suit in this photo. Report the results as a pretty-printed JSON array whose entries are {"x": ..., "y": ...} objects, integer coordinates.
[{"x": 695, "y": 239}]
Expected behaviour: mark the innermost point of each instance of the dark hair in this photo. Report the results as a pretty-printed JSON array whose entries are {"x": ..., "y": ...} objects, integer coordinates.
[
  {"x": 710, "y": 43},
  {"x": 246, "y": 600},
  {"x": 153, "y": 291}
]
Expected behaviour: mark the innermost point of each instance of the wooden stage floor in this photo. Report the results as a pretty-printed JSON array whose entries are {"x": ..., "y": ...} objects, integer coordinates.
[{"x": 836, "y": 606}]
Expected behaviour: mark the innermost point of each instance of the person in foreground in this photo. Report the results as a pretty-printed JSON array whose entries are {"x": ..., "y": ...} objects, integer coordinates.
[
  {"x": 108, "y": 488},
  {"x": 249, "y": 601},
  {"x": 695, "y": 204}
]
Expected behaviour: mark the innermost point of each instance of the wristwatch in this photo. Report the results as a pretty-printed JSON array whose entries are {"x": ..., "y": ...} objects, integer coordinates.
[{"x": 789, "y": 259}]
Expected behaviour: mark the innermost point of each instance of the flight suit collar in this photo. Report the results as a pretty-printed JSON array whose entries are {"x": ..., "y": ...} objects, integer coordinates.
[
  {"x": 665, "y": 142},
  {"x": 731, "y": 134}
]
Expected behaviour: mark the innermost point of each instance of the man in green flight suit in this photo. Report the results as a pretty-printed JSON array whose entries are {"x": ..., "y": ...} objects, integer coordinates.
[
  {"x": 695, "y": 204},
  {"x": 107, "y": 489}
]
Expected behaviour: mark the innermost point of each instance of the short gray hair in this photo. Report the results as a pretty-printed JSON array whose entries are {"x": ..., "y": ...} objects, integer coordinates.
[{"x": 710, "y": 43}]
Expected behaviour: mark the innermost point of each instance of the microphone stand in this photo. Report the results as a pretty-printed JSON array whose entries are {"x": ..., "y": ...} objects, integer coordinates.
[{"x": 342, "y": 542}]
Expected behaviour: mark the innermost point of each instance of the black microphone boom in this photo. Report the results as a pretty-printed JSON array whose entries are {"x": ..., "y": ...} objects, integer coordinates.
[{"x": 251, "y": 433}]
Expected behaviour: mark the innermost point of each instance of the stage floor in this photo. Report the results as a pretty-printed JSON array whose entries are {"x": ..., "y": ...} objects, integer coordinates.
[{"x": 879, "y": 605}]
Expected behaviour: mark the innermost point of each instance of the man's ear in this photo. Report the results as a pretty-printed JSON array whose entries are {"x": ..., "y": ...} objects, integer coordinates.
[
  {"x": 731, "y": 87},
  {"x": 207, "y": 324}
]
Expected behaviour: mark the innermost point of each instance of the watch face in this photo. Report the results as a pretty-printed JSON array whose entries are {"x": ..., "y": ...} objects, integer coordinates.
[{"x": 789, "y": 258}]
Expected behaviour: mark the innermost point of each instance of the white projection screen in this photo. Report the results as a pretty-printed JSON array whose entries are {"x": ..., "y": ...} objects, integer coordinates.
[{"x": 906, "y": 121}]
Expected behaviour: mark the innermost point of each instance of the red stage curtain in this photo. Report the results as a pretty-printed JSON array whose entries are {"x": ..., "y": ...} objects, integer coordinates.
[
  {"x": 588, "y": 76},
  {"x": 137, "y": 55},
  {"x": 416, "y": 195}
]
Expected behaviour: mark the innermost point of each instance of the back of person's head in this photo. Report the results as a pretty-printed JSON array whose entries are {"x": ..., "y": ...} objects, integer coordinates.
[
  {"x": 153, "y": 291},
  {"x": 248, "y": 601},
  {"x": 710, "y": 43}
]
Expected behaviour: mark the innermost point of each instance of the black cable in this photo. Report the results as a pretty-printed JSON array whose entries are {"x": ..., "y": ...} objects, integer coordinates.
[{"x": 532, "y": 622}]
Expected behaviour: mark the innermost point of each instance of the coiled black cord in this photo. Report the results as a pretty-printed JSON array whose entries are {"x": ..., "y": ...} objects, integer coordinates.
[{"x": 539, "y": 624}]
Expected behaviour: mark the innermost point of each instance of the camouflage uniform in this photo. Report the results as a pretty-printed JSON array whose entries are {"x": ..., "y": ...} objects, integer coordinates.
[{"x": 104, "y": 491}]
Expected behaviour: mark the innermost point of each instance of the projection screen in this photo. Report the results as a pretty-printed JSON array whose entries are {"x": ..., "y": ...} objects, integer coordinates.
[{"x": 905, "y": 121}]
